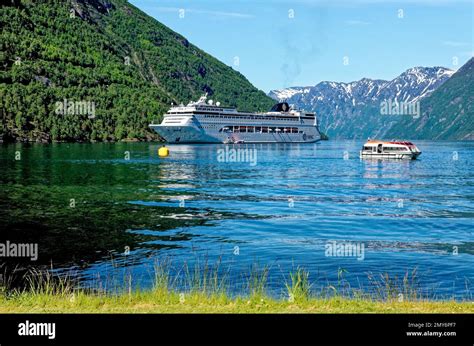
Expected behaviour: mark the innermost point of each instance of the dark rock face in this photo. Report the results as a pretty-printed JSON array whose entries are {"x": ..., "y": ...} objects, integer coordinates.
[
  {"x": 91, "y": 10},
  {"x": 43, "y": 80},
  {"x": 202, "y": 70},
  {"x": 101, "y": 6},
  {"x": 206, "y": 88}
]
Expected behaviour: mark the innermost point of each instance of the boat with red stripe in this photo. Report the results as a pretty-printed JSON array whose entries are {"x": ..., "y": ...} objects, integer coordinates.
[{"x": 395, "y": 149}]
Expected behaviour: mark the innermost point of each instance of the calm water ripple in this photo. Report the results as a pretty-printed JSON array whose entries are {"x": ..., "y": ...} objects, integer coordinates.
[{"x": 281, "y": 212}]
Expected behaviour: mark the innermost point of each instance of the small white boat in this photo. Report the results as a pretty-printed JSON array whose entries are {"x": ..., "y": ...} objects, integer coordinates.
[
  {"x": 232, "y": 140},
  {"x": 389, "y": 150}
]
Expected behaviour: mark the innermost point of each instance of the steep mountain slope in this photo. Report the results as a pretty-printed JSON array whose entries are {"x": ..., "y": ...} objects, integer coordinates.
[
  {"x": 353, "y": 110},
  {"x": 448, "y": 113},
  {"x": 106, "y": 54}
]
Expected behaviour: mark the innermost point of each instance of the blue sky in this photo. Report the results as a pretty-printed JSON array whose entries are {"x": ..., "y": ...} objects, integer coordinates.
[{"x": 283, "y": 43}]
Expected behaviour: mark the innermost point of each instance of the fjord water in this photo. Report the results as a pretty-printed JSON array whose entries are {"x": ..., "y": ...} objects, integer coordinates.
[{"x": 101, "y": 209}]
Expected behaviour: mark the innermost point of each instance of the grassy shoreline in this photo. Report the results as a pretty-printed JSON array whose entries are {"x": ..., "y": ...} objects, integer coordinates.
[
  {"x": 159, "y": 301},
  {"x": 204, "y": 289}
]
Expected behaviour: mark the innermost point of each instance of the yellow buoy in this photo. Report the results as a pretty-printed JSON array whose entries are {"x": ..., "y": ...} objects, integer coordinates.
[{"x": 163, "y": 151}]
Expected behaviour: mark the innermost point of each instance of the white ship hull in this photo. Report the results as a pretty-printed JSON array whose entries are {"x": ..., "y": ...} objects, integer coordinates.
[
  {"x": 199, "y": 122},
  {"x": 404, "y": 156},
  {"x": 191, "y": 134}
]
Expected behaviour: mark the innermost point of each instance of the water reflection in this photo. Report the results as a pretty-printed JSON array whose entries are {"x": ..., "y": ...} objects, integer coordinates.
[{"x": 281, "y": 211}]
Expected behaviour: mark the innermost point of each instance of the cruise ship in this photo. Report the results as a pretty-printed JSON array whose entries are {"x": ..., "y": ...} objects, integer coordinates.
[{"x": 207, "y": 122}]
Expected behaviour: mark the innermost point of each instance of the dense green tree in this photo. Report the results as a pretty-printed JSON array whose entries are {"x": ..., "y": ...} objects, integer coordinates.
[{"x": 111, "y": 54}]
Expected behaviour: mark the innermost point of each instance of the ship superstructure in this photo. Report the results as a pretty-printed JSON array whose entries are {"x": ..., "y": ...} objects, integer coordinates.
[{"x": 208, "y": 122}]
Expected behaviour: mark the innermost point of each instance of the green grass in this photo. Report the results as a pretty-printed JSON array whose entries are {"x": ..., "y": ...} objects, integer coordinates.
[
  {"x": 159, "y": 301},
  {"x": 204, "y": 289}
]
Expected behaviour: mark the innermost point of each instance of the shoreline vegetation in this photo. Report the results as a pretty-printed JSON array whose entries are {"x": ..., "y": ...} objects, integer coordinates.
[
  {"x": 155, "y": 301},
  {"x": 205, "y": 289},
  {"x": 149, "y": 138}
]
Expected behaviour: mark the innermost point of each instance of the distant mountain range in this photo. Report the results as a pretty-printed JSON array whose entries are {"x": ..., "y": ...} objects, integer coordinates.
[{"x": 356, "y": 109}]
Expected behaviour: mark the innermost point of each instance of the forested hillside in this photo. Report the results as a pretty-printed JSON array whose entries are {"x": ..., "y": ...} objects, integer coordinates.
[
  {"x": 104, "y": 53},
  {"x": 448, "y": 113}
]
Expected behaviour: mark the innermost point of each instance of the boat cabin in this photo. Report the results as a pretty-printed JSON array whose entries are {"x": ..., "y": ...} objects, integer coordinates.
[{"x": 391, "y": 149}]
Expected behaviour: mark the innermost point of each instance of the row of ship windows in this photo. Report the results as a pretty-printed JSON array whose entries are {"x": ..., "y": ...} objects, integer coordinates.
[
  {"x": 211, "y": 109},
  {"x": 259, "y": 129},
  {"x": 385, "y": 148},
  {"x": 250, "y": 118}
]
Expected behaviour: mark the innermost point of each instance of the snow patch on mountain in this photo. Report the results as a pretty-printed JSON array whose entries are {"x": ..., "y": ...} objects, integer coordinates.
[
  {"x": 414, "y": 84},
  {"x": 351, "y": 110}
]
